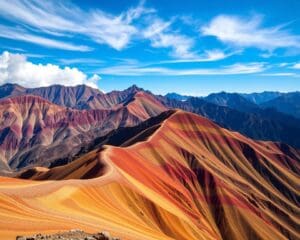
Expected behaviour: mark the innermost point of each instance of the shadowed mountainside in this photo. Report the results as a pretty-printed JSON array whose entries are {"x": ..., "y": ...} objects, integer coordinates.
[
  {"x": 189, "y": 179},
  {"x": 232, "y": 100},
  {"x": 288, "y": 103},
  {"x": 259, "y": 98}
]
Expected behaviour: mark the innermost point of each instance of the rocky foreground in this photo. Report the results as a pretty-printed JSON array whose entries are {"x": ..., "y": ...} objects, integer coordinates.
[{"x": 71, "y": 235}]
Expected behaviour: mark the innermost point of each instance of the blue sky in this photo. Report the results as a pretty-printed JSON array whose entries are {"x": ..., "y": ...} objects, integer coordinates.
[{"x": 192, "y": 47}]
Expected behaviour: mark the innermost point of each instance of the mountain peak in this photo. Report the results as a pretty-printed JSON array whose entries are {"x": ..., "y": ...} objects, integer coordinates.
[
  {"x": 177, "y": 96},
  {"x": 134, "y": 88},
  {"x": 232, "y": 100}
]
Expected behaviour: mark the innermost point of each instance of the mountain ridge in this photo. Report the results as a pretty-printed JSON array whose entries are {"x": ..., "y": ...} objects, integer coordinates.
[{"x": 288, "y": 103}]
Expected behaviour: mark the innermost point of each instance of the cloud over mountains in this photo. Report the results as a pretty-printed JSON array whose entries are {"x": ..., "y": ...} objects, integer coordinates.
[{"x": 15, "y": 68}]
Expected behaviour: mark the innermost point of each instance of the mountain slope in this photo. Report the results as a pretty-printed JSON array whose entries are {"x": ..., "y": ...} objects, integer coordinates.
[
  {"x": 261, "y": 124},
  {"x": 259, "y": 98},
  {"x": 9, "y": 89},
  {"x": 231, "y": 100},
  {"x": 65, "y": 96},
  {"x": 190, "y": 179},
  {"x": 288, "y": 103},
  {"x": 34, "y": 131},
  {"x": 176, "y": 96},
  {"x": 112, "y": 99},
  {"x": 73, "y": 97}
]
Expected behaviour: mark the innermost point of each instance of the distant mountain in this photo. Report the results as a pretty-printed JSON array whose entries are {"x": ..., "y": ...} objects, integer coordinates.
[
  {"x": 231, "y": 100},
  {"x": 73, "y": 97},
  {"x": 288, "y": 103},
  {"x": 34, "y": 131},
  {"x": 9, "y": 89},
  {"x": 259, "y": 98},
  {"x": 186, "y": 179},
  {"x": 79, "y": 97},
  {"x": 176, "y": 96}
]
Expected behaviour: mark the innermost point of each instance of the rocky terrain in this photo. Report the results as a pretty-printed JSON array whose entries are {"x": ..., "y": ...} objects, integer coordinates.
[{"x": 70, "y": 235}]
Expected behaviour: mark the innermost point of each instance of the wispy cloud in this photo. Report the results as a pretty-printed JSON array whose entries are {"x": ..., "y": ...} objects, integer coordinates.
[
  {"x": 136, "y": 70},
  {"x": 249, "y": 32},
  {"x": 5, "y": 47},
  {"x": 19, "y": 34},
  {"x": 61, "y": 17},
  {"x": 162, "y": 36},
  {"x": 34, "y": 55},
  {"x": 15, "y": 68},
  {"x": 284, "y": 64},
  {"x": 207, "y": 56},
  {"x": 88, "y": 61},
  {"x": 279, "y": 74}
]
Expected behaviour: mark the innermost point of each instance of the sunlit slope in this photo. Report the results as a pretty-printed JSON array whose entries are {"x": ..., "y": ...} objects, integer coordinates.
[
  {"x": 105, "y": 203},
  {"x": 189, "y": 180}
]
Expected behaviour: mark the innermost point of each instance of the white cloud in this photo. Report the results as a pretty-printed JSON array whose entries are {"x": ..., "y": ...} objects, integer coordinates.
[
  {"x": 296, "y": 66},
  {"x": 284, "y": 64},
  {"x": 15, "y": 68},
  {"x": 280, "y": 74},
  {"x": 18, "y": 34},
  {"x": 161, "y": 36},
  {"x": 62, "y": 18},
  {"x": 132, "y": 70},
  {"x": 208, "y": 56},
  {"x": 85, "y": 61},
  {"x": 250, "y": 33}
]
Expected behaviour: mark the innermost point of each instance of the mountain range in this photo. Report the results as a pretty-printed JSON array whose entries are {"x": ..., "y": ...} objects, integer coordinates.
[
  {"x": 38, "y": 123},
  {"x": 146, "y": 166},
  {"x": 287, "y": 103}
]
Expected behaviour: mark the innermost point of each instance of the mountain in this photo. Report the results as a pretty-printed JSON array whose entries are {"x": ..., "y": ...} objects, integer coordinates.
[
  {"x": 34, "y": 131},
  {"x": 61, "y": 95},
  {"x": 10, "y": 89},
  {"x": 261, "y": 124},
  {"x": 231, "y": 100},
  {"x": 176, "y": 96},
  {"x": 288, "y": 103},
  {"x": 188, "y": 179},
  {"x": 79, "y": 97},
  {"x": 114, "y": 99},
  {"x": 259, "y": 98},
  {"x": 73, "y": 97}
]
